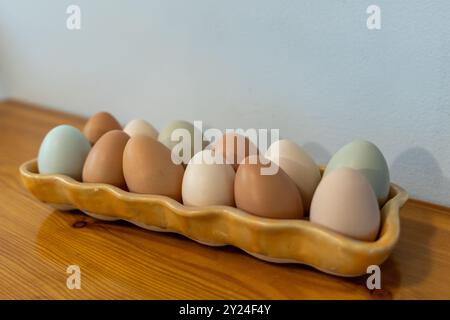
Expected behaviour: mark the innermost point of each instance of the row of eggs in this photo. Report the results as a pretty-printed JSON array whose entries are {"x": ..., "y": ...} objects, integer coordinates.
[{"x": 138, "y": 159}]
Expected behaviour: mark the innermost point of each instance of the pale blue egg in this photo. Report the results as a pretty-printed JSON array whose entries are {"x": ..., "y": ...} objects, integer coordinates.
[
  {"x": 365, "y": 157},
  {"x": 63, "y": 151}
]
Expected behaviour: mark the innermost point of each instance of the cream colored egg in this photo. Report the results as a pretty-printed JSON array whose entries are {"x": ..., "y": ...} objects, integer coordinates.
[
  {"x": 346, "y": 203},
  {"x": 208, "y": 182},
  {"x": 140, "y": 127},
  {"x": 298, "y": 165}
]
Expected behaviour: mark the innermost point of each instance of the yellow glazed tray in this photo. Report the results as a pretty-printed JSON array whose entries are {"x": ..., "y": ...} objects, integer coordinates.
[{"x": 274, "y": 240}]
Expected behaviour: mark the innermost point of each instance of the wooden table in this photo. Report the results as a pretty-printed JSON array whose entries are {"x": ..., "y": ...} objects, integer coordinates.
[{"x": 118, "y": 260}]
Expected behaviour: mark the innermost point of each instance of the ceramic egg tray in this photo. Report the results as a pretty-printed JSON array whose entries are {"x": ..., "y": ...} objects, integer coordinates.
[{"x": 274, "y": 240}]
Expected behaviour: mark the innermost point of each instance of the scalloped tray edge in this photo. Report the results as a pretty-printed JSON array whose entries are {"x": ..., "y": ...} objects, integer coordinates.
[{"x": 273, "y": 240}]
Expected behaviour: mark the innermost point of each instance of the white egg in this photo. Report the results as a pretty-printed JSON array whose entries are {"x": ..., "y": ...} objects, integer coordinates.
[
  {"x": 298, "y": 165},
  {"x": 207, "y": 182},
  {"x": 140, "y": 127}
]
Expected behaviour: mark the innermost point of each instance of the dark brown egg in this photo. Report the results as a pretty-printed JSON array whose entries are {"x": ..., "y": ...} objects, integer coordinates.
[
  {"x": 148, "y": 168},
  {"x": 99, "y": 124},
  {"x": 266, "y": 195},
  {"x": 104, "y": 162}
]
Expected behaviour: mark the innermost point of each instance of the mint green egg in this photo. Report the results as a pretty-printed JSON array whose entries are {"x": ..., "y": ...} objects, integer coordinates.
[
  {"x": 63, "y": 151},
  {"x": 165, "y": 137},
  {"x": 365, "y": 157}
]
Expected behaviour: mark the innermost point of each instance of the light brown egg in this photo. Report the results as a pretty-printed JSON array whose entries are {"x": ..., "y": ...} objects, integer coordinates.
[
  {"x": 148, "y": 168},
  {"x": 104, "y": 162},
  {"x": 235, "y": 148},
  {"x": 345, "y": 202},
  {"x": 271, "y": 196},
  {"x": 98, "y": 125}
]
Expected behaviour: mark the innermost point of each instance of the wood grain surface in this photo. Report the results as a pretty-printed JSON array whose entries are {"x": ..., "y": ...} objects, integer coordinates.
[{"x": 120, "y": 261}]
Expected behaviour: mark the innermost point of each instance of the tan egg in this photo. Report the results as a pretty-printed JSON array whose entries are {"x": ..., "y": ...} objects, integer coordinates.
[
  {"x": 104, "y": 162},
  {"x": 140, "y": 127},
  {"x": 148, "y": 168},
  {"x": 298, "y": 165},
  {"x": 271, "y": 196},
  {"x": 234, "y": 148},
  {"x": 345, "y": 202},
  {"x": 208, "y": 182},
  {"x": 99, "y": 124}
]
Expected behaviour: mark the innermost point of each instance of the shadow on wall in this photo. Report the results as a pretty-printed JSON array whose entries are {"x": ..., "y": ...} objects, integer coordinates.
[
  {"x": 2, "y": 91},
  {"x": 318, "y": 152},
  {"x": 419, "y": 173},
  {"x": 415, "y": 169}
]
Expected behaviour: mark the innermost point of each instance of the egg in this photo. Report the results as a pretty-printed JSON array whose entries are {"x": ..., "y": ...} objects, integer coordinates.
[
  {"x": 165, "y": 137},
  {"x": 104, "y": 161},
  {"x": 270, "y": 196},
  {"x": 140, "y": 127},
  {"x": 99, "y": 124},
  {"x": 63, "y": 151},
  {"x": 298, "y": 165},
  {"x": 365, "y": 157},
  {"x": 345, "y": 202},
  {"x": 234, "y": 148},
  {"x": 148, "y": 168},
  {"x": 207, "y": 182}
]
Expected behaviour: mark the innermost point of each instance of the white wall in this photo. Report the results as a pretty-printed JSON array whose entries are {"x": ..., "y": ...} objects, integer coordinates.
[
  {"x": 2, "y": 80},
  {"x": 310, "y": 68}
]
